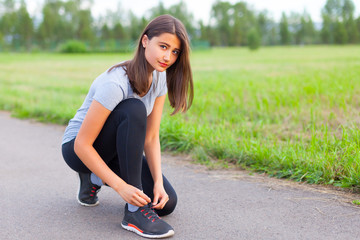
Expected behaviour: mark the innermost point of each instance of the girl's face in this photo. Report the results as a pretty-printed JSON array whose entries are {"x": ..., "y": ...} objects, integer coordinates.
[{"x": 162, "y": 51}]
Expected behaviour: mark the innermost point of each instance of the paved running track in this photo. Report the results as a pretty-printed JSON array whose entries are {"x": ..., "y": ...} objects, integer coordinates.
[{"x": 38, "y": 198}]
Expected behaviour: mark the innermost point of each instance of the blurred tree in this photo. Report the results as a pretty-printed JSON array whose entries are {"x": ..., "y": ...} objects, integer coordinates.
[
  {"x": 327, "y": 29},
  {"x": 284, "y": 30},
  {"x": 348, "y": 11},
  {"x": 301, "y": 33},
  {"x": 24, "y": 27},
  {"x": 262, "y": 23},
  {"x": 230, "y": 24},
  {"x": 267, "y": 28},
  {"x": 333, "y": 8},
  {"x": 8, "y": 6},
  {"x": 243, "y": 20},
  {"x": 304, "y": 32},
  {"x": 117, "y": 24},
  {"x": 7, "y": 27},
  {"x": 181, "y": 12},
  {"x": 310, "y": 33},
  {"x": 331, "y": 14},
  {"x": 65, "y": 20},
  {"x": 273, "y": 35},
  {"x": 136, "y": 26},
  {"x": 106, "y": 33},
  {"x": 208, "y": 33},
  {"x": 340, "y": 34},
  {"x": 203, "y": 33},
  {"x": 53, "y": 29},
  {"x": 78, "y": 17},
  {"x": 254, "y": 40},
  {"x": 158, "y": 10},
  {"x": 295, "y": 28},
  {"x": 119, "y": 32},
  {"x": 352, "y": 31},
  {"x": 358, "y": 26},
  {"x": 85, "y": 32},
  {"x": 69, "y": 15},
  {"x": 221, "y": 15}
]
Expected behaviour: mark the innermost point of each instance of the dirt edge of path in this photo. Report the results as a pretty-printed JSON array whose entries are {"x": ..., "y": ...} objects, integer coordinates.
[{"x": 342, "y": 195}]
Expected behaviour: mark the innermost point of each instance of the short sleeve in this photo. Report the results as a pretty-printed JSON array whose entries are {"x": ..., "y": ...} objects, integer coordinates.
[
  {"x": 109, "y": 94},
  {"x": 162, "y": 84}
]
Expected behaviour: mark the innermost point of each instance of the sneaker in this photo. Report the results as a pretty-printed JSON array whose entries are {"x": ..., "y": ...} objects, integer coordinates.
[
  {"x": 87, "y": 191},
  {"x": 146, "y": 223}
]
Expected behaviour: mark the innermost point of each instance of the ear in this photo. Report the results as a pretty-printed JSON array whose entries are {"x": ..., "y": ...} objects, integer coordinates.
[{"x": 145, "y": 41}]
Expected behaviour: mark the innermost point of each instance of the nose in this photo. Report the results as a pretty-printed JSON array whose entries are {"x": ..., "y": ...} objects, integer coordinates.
[{"x": 167, "y": 56}]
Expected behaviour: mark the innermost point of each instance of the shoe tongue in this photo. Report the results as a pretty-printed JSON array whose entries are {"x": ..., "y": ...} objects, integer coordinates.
[
  {"x": 152, "y": 210},
  {"x": 150, "y": 207}
]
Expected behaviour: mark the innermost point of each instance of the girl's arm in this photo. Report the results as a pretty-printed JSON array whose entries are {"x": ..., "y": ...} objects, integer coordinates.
[
  {"x": 83, "y": 147},
  {"x": 153, "y": 152}
]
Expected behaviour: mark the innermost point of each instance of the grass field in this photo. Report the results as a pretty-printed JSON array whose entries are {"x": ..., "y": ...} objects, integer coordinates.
[{"x": 288, "y": 111}]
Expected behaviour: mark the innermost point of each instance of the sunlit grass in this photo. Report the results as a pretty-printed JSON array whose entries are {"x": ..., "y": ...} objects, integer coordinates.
[{"x": 288, "y": 111}]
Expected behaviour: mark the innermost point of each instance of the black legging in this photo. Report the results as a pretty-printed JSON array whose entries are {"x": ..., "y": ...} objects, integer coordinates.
[{"x": 121, "y": 144}]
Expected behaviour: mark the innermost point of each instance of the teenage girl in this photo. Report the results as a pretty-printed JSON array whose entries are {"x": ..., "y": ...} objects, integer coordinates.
[{"x": 119, "y": 122}]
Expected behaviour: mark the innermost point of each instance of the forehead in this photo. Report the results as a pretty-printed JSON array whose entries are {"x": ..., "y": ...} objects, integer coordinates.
[{"x": 170, "y": 39}]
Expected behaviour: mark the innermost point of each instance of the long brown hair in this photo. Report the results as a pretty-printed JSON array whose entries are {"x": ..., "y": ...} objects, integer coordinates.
[{"x": 178, "y": 76}]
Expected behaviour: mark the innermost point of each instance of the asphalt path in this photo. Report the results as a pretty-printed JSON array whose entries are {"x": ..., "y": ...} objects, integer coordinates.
[{"x": 38, "y": 198}]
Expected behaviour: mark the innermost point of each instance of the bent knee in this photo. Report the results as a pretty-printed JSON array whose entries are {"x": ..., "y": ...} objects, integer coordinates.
[
  {"x": 133, "y": 109},
  {"x": 169, "y": 206}
]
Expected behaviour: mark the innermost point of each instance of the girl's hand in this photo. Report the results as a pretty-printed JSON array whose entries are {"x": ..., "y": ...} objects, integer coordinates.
[
  {"x": 134, "y": 196},
  {"x": 160, "y": 196}
]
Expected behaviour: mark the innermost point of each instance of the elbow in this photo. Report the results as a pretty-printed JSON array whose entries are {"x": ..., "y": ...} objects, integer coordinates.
[
  {"x": 151, "y": 141},
  {"x": 78, "y": 146}
]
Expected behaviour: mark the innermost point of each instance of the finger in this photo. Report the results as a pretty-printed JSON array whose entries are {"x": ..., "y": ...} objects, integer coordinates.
[
  {"x": 141, "y": 200},
  {"x": 166, "y": 200},
  {"x": 144, "y": 196},
  {"x": 135, "y": 202},
  {"x": 156, "y": 200},
  {"x": 159, "y": 206},
  {"x": 162, "y": 203}
]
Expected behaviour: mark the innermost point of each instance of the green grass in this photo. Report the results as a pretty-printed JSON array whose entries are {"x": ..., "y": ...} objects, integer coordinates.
[{"x": 292, "y": 112}]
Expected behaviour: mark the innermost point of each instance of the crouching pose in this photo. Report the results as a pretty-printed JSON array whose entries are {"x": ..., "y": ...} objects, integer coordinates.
[{"x": 119, "y": 122}]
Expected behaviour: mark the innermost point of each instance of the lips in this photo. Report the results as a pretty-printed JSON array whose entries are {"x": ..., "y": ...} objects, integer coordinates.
[{"x": 163, "y": 64}]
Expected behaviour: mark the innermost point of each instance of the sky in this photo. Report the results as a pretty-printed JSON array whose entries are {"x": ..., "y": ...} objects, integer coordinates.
[{"x": 201, "y": 8}]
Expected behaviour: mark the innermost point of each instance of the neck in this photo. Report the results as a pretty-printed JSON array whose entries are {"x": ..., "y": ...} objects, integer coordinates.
[
  {"x": 150, "y": 79},
  {"x": 150, "y": 71}
]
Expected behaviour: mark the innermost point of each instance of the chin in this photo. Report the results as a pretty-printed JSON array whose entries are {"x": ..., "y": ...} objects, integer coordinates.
[{"x": 160, "y": 69}]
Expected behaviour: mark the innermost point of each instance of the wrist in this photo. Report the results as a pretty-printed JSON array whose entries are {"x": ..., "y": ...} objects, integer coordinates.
[
  {"x": 159, "y": 181},
  {"x": 119, "y": 186}
]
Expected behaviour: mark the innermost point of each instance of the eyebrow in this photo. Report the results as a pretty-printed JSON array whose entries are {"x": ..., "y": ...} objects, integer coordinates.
[{"x": 169, "y": 45}]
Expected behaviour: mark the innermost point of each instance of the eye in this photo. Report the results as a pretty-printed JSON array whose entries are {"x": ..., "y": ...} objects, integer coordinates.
[
  {"x": 163, "y": 46},
  {"x": 176, "y": 52}
]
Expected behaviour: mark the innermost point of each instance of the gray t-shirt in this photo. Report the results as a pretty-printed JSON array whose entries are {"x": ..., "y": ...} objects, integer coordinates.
[{"x": 109, "y": 89}]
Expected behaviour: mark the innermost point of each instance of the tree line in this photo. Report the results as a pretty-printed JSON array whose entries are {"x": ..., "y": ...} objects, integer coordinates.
[{"x": 230, "y": 24}]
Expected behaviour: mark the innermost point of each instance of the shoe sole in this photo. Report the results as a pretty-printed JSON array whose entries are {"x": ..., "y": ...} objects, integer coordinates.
[
  {"x": 87, "y": 204},
  {"x": 138, "y": 231},
  {"x": 82, "y": 203}
]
